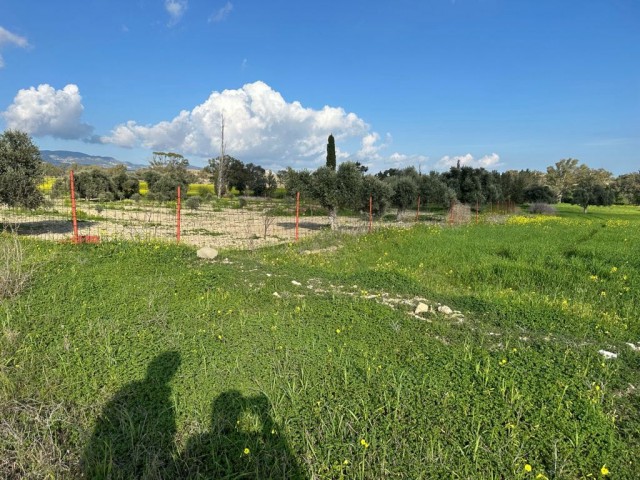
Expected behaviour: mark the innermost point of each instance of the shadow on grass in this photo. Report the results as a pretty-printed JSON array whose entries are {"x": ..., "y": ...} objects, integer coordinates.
[
  {"x": 41, "y": 227},
  {"x": 305, "y": 225},
  {"x": 243, "y": 442},
  {"x": 134, "y": 437}
]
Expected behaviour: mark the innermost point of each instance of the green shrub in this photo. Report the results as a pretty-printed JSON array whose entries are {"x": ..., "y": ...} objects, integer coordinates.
[
  {"x": 193, "y": 203},
  {"x": 106, "y": 197}
]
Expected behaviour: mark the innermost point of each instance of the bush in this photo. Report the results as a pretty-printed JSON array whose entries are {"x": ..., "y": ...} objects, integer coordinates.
[
  {"x": 542, "y": 208},
  {"x": 193, "y": 203},
  {"x": 99, "y": 208},
  {"x": 106, "y": 197},
  {"x": 60, "y": 188},
  {"x": 136, "y": 197},
  {"x": 242, "y": 202},
  {"x": 279, "y": 193}
]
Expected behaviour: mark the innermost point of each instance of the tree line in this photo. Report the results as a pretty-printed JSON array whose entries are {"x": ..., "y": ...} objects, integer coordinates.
[{"x": 344, "y": 186}]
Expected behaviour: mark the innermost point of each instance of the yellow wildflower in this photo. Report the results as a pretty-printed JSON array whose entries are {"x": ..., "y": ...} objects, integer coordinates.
[
  {"x": 364, "y": 443},
  {"x": 604, "y": 470},
  {"x": 246, "y": 451},
  {"x": 527, "y": 467}
]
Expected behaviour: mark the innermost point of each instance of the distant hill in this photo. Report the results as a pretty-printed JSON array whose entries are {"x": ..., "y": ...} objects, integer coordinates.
[{"x": 62, "y": 158}]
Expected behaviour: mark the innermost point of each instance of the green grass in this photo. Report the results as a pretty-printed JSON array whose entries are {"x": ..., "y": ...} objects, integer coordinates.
[{"x": 179, "y": 365}]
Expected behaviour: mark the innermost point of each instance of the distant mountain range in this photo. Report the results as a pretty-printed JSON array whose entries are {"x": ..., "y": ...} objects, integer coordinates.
[{"x": 63, "y": 158}]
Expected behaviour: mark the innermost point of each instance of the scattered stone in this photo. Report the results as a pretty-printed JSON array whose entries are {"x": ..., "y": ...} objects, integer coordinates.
[
  {"x": 296, "y": 283},
  {"x": 268, "y": 274},
  {"x": 633, "y": 347},
  {"x": 411, "y": 314},
  {"x": 422, "y": 308},
  {"x": 444, "y": 309},
  {"x": 207, "y": 253},
  {"x": 276, "y": 294},
  {"x": 607, "y": 355}
]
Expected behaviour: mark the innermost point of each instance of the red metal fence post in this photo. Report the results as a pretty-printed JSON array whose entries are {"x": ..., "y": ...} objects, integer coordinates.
[
  {"x": 178, "y": 217},
  {"x": 74, "y": 217},
  {"x": 297, "y": 215}
]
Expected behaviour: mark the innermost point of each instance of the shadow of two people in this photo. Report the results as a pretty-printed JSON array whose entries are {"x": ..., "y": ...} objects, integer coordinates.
[{"x": 134, "y": 436}]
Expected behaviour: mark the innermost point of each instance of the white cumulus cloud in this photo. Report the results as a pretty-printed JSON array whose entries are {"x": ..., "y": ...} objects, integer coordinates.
[
  {"x": 45, "y": 111},
  {"x": 260, "y": 126},
  {"x": 222, "y": 13},
  {"x": 488, "y": 161},
  {"x": 175, "y": 9},
  {"x": 8, "y": 38}
]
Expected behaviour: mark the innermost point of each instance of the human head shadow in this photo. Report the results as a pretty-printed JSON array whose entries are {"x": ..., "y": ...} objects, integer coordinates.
[
  {"x": 243, "y": 442},
  {"x": 134, "y": 434}
]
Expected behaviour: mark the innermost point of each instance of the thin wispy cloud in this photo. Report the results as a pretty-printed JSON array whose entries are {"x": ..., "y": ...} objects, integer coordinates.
[
  {"x": 175, "y": 9},
  {"x": 8, "y": 38},
  {"x": 221, "y": 14}
]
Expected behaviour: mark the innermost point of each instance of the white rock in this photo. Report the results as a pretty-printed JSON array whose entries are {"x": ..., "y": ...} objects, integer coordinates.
[
  {"x": 207, "y": 252},
  {"x": 607, "y": 355},
  {"x": 444, "y": 309},
  {"x": 297, "y": 284},
  {"x": 633, "y": 347},
  {"x": 421, "y": 308},
  {"x": 276, "y": 294}
]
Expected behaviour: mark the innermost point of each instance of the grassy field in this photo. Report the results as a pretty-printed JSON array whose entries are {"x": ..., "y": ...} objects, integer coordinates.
[{"x": 307, "y": 360}]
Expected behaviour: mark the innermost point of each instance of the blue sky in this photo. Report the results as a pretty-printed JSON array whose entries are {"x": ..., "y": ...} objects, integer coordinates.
[{"x": 505, "y": 84}]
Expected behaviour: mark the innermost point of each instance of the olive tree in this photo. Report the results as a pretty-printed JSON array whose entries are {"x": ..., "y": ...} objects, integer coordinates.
[{"x": 20, "y": 170}]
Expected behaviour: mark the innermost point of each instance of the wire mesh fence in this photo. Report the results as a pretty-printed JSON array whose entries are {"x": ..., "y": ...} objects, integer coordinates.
[{"x": 236, "y": 222}]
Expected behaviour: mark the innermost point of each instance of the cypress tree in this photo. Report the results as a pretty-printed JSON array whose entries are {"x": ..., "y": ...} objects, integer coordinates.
[{"x": 331, "y": 153}]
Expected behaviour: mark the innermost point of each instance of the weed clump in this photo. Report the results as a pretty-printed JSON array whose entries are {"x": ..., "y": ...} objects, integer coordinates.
[
  {"x": 459, "y": 214},
  {"x": 37, "y": 440},
  {"x": 14, "y": 275}
]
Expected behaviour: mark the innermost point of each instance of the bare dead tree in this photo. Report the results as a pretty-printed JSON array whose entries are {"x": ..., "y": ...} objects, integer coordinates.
[{"x": 268, "y": 217}]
